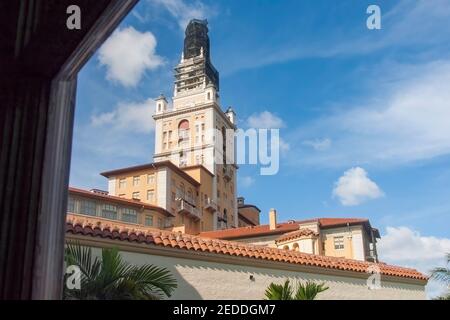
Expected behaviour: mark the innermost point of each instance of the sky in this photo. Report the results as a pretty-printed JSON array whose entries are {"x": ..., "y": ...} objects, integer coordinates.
[{"x": 364, "y": 115}]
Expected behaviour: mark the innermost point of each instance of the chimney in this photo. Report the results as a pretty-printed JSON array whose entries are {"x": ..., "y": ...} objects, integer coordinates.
[{"x": 272, "y": 219}]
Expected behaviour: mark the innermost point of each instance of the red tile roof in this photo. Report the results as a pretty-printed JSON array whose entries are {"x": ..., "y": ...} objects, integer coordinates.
[
  {"x": 221, "y": 247},
  {"x": 118, "y": 200},
  {"x": 264, "y": 230},
  {"x": 296, "y": 234}
]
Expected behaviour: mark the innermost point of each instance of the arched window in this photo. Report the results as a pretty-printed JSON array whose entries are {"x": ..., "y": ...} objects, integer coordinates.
[
  {"x": 183, "y": 133},
  {"x": 225, "y": 218},
  {"x": 183, "y": 125},
  {"x": 285, "y": 247},
  {"x": 295, "y": 247}
]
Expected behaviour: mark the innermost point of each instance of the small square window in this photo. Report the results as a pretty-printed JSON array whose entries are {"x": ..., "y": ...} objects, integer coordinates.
[
  {"x": 151, "y": 195},
  {"x": 109, "y": 211},
  {"x": 129, "y": 215},
  {"x": 88, "y": 207},
  {"x": 339, "y": 243},
  {"x": 148, "y": 221},
  {"x": 136, "y": 195},
  {"x": 71, "y": 205}
]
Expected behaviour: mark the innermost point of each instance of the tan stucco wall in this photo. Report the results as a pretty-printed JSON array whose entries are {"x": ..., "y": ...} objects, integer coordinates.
[
  {"x": 199, "y": 279},
  {"x": 328, "y": 236},
  {"x": 206, "y": 181}
]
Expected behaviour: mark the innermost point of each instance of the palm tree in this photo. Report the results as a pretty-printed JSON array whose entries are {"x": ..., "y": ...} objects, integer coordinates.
[
  {"x": 111, "y": 278},
  {"x": 307, "y": 291},
  {"x": 443, "y": 275}
]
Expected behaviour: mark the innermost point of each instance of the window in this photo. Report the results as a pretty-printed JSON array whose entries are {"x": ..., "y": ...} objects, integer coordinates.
[
  {"x": 209, "y": 95},
  {"x": 160, "y": 223},
  {"x": 129, "y": 215},
  {"x": 339, "y": 243},
  {"x": 136, "y": 195},
  {"x": 148, "y": 221},
  {"x": 122, "y": 183},
  {"x": 136, "y": 180},
  {"x": 150, "y": 178},
  {"x": 71, "y": 205},
  {"x": 151, "y": 195},
  {"x": 88, "y": 207},
  {"x": 109, "y": 211}
]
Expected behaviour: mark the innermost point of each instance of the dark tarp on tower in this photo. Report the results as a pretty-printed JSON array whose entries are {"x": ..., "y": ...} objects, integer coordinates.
[{"x": 196, "y": 38}]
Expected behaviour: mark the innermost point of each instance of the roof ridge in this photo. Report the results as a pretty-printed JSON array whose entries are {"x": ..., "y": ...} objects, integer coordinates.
[{"x": 216, "y": 246}]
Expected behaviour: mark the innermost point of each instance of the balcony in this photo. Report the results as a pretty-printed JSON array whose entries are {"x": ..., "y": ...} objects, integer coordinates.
[
  {"x": 186, "y": 208},
  {"x": 210, "y": 205},
  {"x": 227, "y": 172}
]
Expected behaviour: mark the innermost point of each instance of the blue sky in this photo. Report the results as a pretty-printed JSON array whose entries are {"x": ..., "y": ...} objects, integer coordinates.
[{"x": 364, "y": 114}]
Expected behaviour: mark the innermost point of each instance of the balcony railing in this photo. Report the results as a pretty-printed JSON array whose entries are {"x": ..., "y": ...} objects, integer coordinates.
[
  {"x": 210, "y": 205},
  {"x": 186, "y": 208}
]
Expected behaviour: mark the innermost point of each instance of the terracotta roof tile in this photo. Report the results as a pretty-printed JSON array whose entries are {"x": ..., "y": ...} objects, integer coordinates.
[
  {"x": 263, "y": 230},
  {"x": 185, "y": 242},
  {"x": 296, "y": 234}
]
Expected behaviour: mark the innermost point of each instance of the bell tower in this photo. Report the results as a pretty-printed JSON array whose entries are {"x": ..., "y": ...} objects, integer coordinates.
[{"x": 192, "y": 131}]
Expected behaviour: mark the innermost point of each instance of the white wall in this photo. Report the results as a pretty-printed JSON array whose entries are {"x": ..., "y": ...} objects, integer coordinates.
[{"x": 199, "y": 279}]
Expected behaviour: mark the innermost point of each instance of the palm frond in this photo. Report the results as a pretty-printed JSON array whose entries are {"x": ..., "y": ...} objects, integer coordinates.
[
  {"x": 153, "y": 279},
  {"x": 279, "y": 292},
  {"x": 82, "y": 257},
  {"x": 309, "y": 290},
  {"x": 111, "y": 278}
]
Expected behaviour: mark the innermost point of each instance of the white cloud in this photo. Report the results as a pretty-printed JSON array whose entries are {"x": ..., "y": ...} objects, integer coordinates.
[
  {"x": 127, "y": 54},
  {"x": 265, "y": 120},
  {"x": 355, "y": 187},
  {"x": 130, "y": 117},
  {"x": 403, "y": 119},
  {"x": 318, "y": 144},
  {"x": 284, "y": 146},
  {"x": 184, "y": 11},
  {"x": 246, "y": 181},
  {"x": 406, "y": 247}
]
